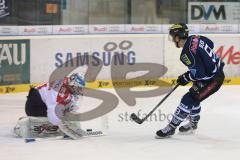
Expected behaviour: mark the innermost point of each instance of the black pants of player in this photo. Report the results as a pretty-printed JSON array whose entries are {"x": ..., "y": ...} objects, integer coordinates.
[
  {"x": 203, "y": 89},
  {"x": 34, "y": 105}
]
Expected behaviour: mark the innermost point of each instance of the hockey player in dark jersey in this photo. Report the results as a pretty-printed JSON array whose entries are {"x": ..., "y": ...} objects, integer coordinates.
[{"x": 205, "y": 70}]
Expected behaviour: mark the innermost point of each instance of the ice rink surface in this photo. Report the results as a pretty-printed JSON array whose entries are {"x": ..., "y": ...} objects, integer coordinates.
[{"x": 217, "y": 138}]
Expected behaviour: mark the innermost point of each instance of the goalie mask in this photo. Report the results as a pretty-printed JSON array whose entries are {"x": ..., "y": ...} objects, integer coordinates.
[{"x": 76, "y": 84}]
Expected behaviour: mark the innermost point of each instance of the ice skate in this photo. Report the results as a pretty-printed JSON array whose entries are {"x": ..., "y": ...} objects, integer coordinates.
[
  {"x": 187, "y": 129},
  {"x": 166, "y": 132}
]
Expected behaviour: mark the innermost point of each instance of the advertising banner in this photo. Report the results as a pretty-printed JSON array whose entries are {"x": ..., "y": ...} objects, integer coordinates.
[
  {"x": 69, "y": 29},
  {"x": 143, "y": 28},
  {"x": 52, "y": 53},
  {"x": 14, "y": 62},
  {"x": 105, "y": 51},
  {"x": 35, "y": 30},
  {"x": 214, "y": 12},
  {"x": 228, "y": 49},
  {"x": 98, "y": 29},
  {"x": 109, "y": 50},
  {"x": 42, "y": 30},
  {"x": 217, "y": 28}
]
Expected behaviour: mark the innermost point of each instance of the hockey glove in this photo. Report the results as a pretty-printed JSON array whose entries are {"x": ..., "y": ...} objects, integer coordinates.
[{"x": 184, "y": 79}]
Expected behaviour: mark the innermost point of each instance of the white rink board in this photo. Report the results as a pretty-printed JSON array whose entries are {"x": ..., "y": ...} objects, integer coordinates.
[{"x": 147, "y": 49}]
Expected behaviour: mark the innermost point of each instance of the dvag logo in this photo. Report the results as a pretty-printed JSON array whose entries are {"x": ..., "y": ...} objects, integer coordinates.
[
  {"x": 13, "y": 52},
  {"x": 205, "y": 11}
]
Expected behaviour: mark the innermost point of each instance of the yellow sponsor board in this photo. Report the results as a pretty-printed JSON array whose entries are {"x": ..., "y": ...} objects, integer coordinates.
[{"x": 111, "y": 84}]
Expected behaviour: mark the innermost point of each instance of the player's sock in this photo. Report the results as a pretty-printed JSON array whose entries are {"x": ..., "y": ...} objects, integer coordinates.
[{"x": 194, "y": 117}]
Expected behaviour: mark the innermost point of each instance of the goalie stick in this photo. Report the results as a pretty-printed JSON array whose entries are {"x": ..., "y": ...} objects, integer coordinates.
[
  {"x": 77, "y": 133},
  {"x": 138, "y": 120},
  {"x": 84, "y": 134},
  {"x": 28, "y": 140}
]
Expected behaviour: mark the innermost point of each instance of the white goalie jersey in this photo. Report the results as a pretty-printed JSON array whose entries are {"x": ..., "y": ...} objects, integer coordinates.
[{"x": 56, "y": 94}]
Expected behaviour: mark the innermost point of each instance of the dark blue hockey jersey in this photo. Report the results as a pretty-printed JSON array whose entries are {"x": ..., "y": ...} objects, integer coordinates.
[{"x": 198, "y": 55}]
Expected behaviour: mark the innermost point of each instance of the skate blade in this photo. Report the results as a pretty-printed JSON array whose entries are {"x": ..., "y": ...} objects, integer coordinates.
[
  {"x": 190, "y": 132},
  {"x": 158, "y": 137}
]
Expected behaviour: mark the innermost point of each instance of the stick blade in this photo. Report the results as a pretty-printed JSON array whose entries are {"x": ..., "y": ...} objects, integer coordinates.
[{"x": 135, "y": 118}]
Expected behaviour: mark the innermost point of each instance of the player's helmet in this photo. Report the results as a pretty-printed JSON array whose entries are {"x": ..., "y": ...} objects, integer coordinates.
[
  {"x": 76, "y": 84},
  {"x": 180, "y": 30}
]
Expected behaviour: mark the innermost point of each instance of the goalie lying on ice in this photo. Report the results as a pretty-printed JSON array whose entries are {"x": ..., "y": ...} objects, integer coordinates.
[{"x": 40, "y": 108}]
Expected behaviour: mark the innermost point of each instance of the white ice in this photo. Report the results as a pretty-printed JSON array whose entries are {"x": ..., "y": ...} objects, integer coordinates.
[{"x": 217, "y": 138}]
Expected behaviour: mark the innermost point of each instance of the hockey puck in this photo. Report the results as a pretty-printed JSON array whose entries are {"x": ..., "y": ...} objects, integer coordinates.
[
  {"x": 27, "y": 140},
  {"x": 89, "y": 130}
]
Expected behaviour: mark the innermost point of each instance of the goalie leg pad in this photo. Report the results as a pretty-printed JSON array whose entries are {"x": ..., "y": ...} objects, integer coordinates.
[{"x": 36, "y": 127}]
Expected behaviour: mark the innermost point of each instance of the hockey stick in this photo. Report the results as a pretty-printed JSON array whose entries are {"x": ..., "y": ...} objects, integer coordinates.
[{"x": 138, "y": 120}]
